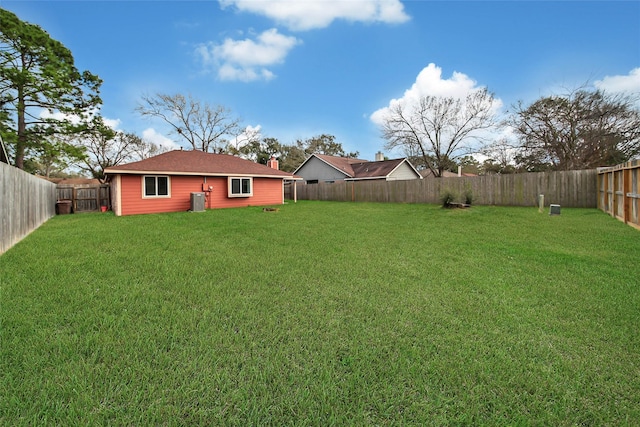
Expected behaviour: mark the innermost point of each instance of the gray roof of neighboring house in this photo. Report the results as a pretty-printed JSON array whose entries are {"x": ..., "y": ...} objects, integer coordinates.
[
  {"x": 343, "y": 164},
  {"x": 376, "y": 169},
  {"x": 360, "y": 169}
]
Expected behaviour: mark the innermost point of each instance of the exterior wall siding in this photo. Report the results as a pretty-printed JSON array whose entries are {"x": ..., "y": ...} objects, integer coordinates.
[
  {"x": 317, "y": 169},
  {"x": 403, "y": 172},
  {"x": 266, "y": 191}
]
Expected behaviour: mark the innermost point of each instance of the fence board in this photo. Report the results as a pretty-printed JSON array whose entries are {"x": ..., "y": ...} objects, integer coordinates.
[
  {"x": 567, "y": 188},
  {"x": 619, "y": 192},
  {"x": 25, "y": 203},
  {"x": 85, "y": 197}
]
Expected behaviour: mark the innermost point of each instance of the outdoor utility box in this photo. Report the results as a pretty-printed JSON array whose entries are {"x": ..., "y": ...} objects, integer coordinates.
[
  {"x": 554, "y": 209},
  {"x": 197, "y": 202}
]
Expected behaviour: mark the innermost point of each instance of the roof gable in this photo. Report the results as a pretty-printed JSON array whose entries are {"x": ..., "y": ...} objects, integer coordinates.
[
  {"x": 356, "y": 169},
  {"x": 376, "y": 169},
  {"x": 180, "y": 162},
  {"x": 341, "y": 164}
]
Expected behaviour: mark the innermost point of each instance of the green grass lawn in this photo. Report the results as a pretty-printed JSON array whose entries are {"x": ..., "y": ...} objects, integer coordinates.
[{"x": 323, "y": 314}]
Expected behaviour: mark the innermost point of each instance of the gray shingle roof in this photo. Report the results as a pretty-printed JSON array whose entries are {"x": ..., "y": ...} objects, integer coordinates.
[{"x": 361, "y": 169}]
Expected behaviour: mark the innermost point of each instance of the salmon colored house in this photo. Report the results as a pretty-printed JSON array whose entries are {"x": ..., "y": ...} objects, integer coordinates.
[{"x": 165, "y": 183}]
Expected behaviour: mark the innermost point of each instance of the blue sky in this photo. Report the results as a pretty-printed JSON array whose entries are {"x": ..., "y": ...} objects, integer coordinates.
[{"x": 298, "y": 68}]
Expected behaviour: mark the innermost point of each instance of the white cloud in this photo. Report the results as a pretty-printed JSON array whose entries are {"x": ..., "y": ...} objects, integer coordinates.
[
  {"x": 57, "y": 115},
  {"x": 621, "y": 84},
  {"x": 112, "y": 123},
  {"x": 247, "y": 60},
  {"x": 430, "y": 83},
  {"x": 247, "y": 74},
  {"x": 311, "y": 14},
  {"x": 151, "y": 135},
  {"x": 75, "y": 119}
]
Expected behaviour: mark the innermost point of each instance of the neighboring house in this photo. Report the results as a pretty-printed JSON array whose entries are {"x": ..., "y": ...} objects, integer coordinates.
[
  {"x": 322, "y": 168},
  {"x": 164, "y": 183},
  {"x": 426, "y": 173}
]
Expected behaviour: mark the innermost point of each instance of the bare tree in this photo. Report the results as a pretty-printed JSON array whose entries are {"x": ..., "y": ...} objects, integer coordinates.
[
  {"x": 104, "y": 147},
  {"x": 203, "y": 126},
  {"x": 145, "y": 149},
  {"x": 437, "y": 128},
  {"x": 579, "y": 130},
  {"x": 501, "y": 157}
]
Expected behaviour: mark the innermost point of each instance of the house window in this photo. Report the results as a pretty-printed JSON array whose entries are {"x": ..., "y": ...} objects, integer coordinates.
[
  {"x": 240, "y": 187},
  {"x": 312, "y": 181},
  {"x": 156, "y": 186}
]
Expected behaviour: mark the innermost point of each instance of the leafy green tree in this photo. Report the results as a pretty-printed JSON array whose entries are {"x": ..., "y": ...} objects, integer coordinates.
[
  {"x": 579, "y": 130},
  {"x": 37, "y": 73},
  {"x": 260, "y": 150},
  {"x": 533, "y": 161},
  {"x": 493, "y": 167},
  {"x": 469, "y": 164},
  {"x": 291, "y": 157},
  {"x": 324, "y": 144},
  {"x": 52, "y": 156}
]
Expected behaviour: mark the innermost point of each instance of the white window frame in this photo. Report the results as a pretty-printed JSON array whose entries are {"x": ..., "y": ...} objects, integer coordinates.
[
  {"x": 156, "y": 196},
  {"x": 240, "y": 194}
]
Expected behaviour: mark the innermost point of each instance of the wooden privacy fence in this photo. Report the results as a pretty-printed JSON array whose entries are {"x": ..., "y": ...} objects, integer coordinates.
[
  {"x": 567, "y": 188},
  {"x": 619, "y": 192},
  {"x": 85, "y": 197},
  {"x": 26, "y": 202}
]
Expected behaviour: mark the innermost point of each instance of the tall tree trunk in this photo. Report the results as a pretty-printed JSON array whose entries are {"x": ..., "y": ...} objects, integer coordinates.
[{"x": 21, "y": 142}]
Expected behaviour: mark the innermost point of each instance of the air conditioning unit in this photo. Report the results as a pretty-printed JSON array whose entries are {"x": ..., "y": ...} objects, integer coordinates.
[{"x": 197, "y": 202}]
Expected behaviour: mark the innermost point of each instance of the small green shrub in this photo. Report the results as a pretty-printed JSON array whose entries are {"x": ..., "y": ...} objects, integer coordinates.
[
  {"x": 468, "y": 196},
  {"x": 447, "y": 198}
]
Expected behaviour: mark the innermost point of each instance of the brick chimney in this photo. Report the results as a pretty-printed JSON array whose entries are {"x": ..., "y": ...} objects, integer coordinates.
[{"x": 273, "y": 163}]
